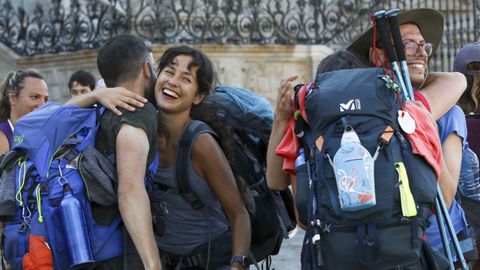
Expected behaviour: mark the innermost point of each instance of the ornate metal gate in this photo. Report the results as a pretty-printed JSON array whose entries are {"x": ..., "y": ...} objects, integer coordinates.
[{"x": 70, "y": 25}]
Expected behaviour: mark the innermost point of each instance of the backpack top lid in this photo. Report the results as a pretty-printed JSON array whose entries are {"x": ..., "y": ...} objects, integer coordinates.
[
  {"x": 40, "y": 133},
  {"x": 359, "y": 91},
  {"x": 243, "y": 110}
]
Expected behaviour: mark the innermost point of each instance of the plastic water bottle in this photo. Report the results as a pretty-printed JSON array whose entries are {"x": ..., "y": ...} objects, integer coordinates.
[
  {"x": 75, "y": 228},
  {"x": 300, "y": 160},
  {"x": 354, "y": 172},
  {"x": 469, "y": 182},
  {"x": 303, "y": 185}
]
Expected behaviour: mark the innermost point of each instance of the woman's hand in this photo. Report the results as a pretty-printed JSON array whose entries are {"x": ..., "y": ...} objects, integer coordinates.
[
  {"x": 283, "y": 110},
  {"x": 119, "y": 97}
]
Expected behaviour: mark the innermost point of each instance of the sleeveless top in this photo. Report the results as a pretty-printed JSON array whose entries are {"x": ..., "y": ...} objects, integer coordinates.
[
  {"x": 185, "y": 227},
  {"x": 7, "y": 130}
]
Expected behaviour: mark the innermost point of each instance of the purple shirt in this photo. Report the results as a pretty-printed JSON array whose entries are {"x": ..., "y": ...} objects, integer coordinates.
[
  {"x": 6, "y": 129},
  {"x": 473, "y": 126}
]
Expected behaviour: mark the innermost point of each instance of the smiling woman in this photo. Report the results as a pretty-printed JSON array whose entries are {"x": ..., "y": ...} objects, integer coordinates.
[
  {"x": 22, "y": 92},
  {"x": 217, "y": 233}
]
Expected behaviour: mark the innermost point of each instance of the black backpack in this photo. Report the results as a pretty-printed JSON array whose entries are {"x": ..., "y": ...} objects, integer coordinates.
[
  {"x": 242, "y": 121},
  {"x": 375, "y": 237}
]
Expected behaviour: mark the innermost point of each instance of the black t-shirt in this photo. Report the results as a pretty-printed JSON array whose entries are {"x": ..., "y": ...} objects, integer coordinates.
[
  {"x": 110, "y": 123},
  {"x": 105, "y": 142}
]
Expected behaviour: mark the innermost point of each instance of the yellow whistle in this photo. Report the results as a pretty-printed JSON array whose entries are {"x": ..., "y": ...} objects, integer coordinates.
[{"x": 409, "y": 209}]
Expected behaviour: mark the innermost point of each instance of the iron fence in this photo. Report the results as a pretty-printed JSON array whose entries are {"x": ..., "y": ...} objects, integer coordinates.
[{"x": 71, "y": 25}]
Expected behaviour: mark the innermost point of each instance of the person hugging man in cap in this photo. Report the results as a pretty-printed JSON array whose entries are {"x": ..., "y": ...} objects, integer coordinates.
[
  {"x": 467, "y": 61},
  {"x": 421, "y": 31}
]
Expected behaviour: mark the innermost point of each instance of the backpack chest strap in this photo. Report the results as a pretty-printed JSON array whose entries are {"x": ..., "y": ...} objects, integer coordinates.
[{"x": 193, "y": 129}]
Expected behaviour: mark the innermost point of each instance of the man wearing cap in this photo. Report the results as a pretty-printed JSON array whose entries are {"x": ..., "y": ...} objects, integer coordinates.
[
  {"x": 467, "y": 61},
  {"x": 421, "y": 31}
]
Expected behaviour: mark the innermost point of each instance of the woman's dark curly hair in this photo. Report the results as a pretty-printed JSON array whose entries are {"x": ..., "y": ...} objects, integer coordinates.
[
  {"x": 205, "y": 73},
  {"x": 208, "y": 112}
]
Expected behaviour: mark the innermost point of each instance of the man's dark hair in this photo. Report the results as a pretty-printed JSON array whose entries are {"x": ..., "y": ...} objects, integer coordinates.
[
  {"x": 82, "y": 77},
  {"x": 339, "y": 60},
  {"x": 205, "y": 73},
  {"x": 121, "y": 59}
]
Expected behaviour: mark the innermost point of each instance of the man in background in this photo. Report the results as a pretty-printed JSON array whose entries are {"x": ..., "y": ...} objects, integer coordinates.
[{"x": 81, "y": 82}]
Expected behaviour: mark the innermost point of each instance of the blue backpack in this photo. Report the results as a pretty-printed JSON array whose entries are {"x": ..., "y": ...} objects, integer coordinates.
[{"x": 49, "y": 144}]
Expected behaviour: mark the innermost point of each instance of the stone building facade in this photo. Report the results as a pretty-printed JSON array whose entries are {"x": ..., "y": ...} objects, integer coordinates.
[{"x": 256, "y": 67}]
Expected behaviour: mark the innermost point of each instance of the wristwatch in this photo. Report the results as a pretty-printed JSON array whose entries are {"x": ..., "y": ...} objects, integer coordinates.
[{"x": 244, "y": 261}]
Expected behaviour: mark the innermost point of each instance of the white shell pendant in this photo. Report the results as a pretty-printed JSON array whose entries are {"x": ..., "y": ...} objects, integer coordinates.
[{"x": 406, "y": 122}]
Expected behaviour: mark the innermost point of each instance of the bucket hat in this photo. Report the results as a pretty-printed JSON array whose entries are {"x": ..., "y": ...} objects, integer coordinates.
[
  {"x": 429, "y": 21},
  {"x": 465, "y": 59}
]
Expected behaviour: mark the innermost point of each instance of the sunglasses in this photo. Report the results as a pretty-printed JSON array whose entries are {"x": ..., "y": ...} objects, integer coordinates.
[{"x": 411, "y": 47}]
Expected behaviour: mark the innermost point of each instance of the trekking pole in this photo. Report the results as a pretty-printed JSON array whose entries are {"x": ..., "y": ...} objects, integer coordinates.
[
  {"x": 399, "y": 48},
  {"x": 386, "y": 40},
  {"x": 443, "y": 233},
  {"x": 315, "y": 223},
  {"x": 441, "y": 209},
  {"x": 451, "y": 230}
]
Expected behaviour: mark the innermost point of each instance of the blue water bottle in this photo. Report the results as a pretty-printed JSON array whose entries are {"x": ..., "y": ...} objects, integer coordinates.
[{"x": 75, "y": 228}]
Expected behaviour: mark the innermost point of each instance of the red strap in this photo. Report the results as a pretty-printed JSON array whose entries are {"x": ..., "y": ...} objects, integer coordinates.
[
  {"x": 374, "y": 41},
  {"x": 420, "y": 97}
]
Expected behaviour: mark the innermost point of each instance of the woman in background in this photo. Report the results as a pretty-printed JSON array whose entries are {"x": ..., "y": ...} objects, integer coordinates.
[{"x": 22, "y": 92}]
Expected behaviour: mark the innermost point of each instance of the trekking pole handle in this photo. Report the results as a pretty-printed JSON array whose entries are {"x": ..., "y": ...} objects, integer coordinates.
[
  {"x": 385, "y": 37},
  {"x": 395, "y": 29},
  {"x": 400, "y": 48},
  {"x": 381, "y": 23},
  {"x": 379, "y": 13}
]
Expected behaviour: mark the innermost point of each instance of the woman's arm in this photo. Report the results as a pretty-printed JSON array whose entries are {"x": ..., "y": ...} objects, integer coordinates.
[
  {"x": 209, "y": 161},
  {"x": 442, "y": 90},
  {"x": 110, "y": 98},
  {"x": 293, "y": 180},
  {"x": 4, "y": 143},
  {"x": 452, "y": 161},
  {"x": 277, "y": 179}
]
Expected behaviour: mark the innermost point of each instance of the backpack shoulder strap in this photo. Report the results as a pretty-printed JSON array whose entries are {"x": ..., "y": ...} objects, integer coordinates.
[{"x": 185, "y": 144}]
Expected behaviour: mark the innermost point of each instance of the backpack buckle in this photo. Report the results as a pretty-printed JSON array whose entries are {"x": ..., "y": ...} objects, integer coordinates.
[
  {"x": 193, "y": 200},
  {"x": 23, "y": 229}
]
